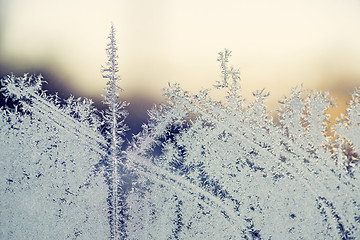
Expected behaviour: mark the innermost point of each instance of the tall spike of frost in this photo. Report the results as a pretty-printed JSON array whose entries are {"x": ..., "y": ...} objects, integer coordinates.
[{"x": 114, "y": 116}]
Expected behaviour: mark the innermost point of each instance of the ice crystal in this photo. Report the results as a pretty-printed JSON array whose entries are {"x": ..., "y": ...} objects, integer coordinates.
[
  {"x": 115, "y": 128},
  {"x": 227, "y": 171},
  {"x": 49, "y": 185}
]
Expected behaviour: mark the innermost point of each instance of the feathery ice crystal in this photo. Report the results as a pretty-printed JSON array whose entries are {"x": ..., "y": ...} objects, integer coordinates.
[{"x": 225, "y": 171}]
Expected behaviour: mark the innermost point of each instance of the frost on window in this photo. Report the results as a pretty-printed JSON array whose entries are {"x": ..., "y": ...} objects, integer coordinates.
[
  {"x": 51, "y": 183},
  {"x": 227, "y": 171},
  {"x": 61, "y": 164},
  {"x": 200, "y": 169},
  {"x": 115, "y": 128}
]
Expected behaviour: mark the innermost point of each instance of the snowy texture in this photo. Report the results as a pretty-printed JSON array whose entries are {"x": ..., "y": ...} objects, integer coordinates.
[
  {"x": 227, "y": 171},
  {"x": 51, "y": 186},
  {"x": 61, "y": 170},
  {"x": 115, "y": 129}
]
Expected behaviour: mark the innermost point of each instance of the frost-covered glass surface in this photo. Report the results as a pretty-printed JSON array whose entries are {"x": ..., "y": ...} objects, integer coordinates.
[
  {"x": 225, "y": 170},
  {"x": 49, "y": 185},
  {"x": 114, "y": 130},
  {"x": 61, "y": 173}
]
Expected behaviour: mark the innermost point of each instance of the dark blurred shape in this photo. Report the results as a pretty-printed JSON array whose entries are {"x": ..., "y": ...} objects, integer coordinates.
[
  {"x": 54, "y": 81},
  {"x": 138, "y": 114},
  {"x": 137, "y": 109}
]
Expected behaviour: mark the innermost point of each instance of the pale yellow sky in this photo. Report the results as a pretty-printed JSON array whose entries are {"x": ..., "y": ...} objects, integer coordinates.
[{"x": 276, "y": 44}]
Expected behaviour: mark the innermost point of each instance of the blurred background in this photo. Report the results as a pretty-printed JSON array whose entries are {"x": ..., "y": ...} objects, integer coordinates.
[{"x": 276, "y": 45}]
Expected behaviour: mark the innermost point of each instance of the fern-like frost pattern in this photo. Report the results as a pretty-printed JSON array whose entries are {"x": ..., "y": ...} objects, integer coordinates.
[
  {"x": 229, "y": 172},
  {"x": 225, "y": 169},
  {"x": 50, "y": 187}
]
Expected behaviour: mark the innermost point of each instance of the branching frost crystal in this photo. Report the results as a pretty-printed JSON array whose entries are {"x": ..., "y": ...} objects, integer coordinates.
[
  {"x": 225, "y": 169},
  {"x": 50, "y": 182}
]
